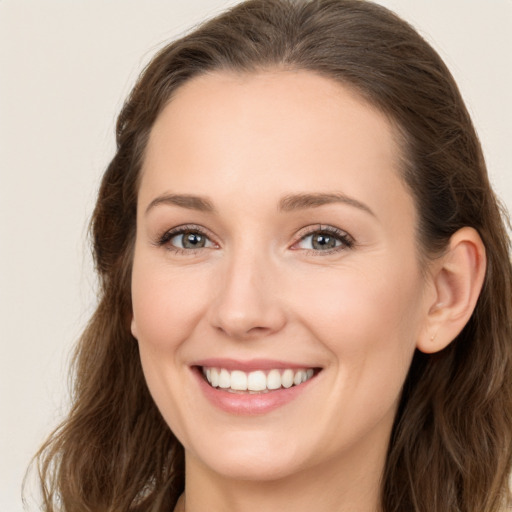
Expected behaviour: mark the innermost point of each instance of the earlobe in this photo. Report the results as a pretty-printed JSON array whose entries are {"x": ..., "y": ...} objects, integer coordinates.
[
  {"x": 133, "y": 327},
  {"x": 457, "y": 278}
]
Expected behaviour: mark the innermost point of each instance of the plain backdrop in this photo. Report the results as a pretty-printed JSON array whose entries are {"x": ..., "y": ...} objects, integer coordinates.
[{"x": 65, "y": 68}]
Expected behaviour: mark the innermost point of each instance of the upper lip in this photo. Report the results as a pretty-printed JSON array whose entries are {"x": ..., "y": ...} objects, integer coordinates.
[{"x": 251, "y": 365}]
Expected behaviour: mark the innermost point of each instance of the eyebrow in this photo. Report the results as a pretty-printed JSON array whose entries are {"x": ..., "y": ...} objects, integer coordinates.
[
  {"x": 288, "y": 203},
  {"x": 305, "y": 201},
  {"x": 184, "y": 201}
]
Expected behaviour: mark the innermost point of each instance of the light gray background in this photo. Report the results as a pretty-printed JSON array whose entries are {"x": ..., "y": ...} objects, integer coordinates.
[{"x": 65, "y": 68}]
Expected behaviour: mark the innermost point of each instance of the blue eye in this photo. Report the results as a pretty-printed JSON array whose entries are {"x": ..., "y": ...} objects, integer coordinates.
[
  {"x": 185, "y": 239},
  {"x": 326, "y": 239}
]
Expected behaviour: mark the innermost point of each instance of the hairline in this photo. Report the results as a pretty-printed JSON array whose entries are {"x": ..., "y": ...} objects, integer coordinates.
[{"x": 399, "y": 134}]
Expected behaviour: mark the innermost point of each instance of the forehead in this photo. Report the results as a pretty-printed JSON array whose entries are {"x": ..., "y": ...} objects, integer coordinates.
[
  {"x": 294, "y": 105},
  {"x": 272, "y": 133}
]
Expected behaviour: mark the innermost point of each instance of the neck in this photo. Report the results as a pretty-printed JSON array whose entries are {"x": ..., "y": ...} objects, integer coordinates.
[{"x": 350, "y": 485}]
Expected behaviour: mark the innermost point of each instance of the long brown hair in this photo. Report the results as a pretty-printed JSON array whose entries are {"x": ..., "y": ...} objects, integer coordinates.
[{"x": 451, "y": 445}]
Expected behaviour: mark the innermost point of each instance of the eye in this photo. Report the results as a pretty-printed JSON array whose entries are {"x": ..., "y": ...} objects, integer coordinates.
[
  {"x": 189, "y": 240},
  {"x": 185, "y": 239},
  {"x": 325, "y": 239}
]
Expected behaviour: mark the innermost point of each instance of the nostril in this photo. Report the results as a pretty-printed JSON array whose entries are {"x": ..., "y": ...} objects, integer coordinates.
[
  {"x": 246, "y": 306},
  {"x": 245, "y": 334}
]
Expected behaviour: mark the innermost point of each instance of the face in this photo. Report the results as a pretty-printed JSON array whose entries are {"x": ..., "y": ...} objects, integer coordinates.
[{"x": 277, "y": 293}]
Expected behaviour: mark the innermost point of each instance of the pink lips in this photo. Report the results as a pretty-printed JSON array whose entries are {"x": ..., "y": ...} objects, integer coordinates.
[
  {"x": 247, "y": 366},
  {"x": 247, "y": 404}
]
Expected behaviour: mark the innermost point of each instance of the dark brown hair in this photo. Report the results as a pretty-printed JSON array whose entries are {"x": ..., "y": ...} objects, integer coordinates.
[{"x": 451, "y": 445}]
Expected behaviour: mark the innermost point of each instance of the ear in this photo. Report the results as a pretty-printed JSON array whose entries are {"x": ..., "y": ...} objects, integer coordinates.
[
  {"x": 133, "y": 327},
  {"x": 457, "y": 279}
]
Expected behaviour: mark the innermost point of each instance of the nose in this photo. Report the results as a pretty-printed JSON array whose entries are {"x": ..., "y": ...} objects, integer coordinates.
[{"x": 247, "y": 304}]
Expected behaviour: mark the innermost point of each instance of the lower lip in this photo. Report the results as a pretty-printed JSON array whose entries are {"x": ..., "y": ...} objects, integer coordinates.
[{"x": 246, "y": 404}]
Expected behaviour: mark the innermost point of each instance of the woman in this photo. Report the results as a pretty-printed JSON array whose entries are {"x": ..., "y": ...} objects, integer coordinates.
[{"x": 305, "y": 282}]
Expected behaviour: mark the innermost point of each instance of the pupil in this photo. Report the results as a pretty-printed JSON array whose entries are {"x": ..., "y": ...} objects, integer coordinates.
[
  {"x": 193, "y": 240},
  {"x": 323, "y": 242}
]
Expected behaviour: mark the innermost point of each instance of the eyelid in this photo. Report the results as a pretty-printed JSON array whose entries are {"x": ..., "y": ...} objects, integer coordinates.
[
  {"x": 347, "y": 240},
  {"x": 164, "y": 238}
]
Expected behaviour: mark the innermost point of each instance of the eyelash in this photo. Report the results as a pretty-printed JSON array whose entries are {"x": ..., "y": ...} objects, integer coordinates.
[
  {"x": 166, "y": 237},
  {"x": 346, "y": 241}
]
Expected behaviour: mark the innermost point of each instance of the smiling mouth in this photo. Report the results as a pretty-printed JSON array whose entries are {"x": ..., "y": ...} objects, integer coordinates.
[{"x": 259, "y": 381}]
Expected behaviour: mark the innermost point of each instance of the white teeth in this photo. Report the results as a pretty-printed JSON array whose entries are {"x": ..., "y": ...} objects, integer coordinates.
[
  {"x": 214, "y": 377},
  {"x": 287, "y": 379},
  {"x": 273, "y": 379},
  {"x": 256, "y": 381},
  {"x": 224, "y": 379},
  {"x": 299, "y": 377},
  {"x": 238, "y": 381}
]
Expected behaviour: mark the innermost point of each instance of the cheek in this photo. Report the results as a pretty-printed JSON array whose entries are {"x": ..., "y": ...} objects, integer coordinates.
[
  {"x": 368, "y": 320},
  {"x": 369, "y": 323},
  {"x": 166, "y": 303}
]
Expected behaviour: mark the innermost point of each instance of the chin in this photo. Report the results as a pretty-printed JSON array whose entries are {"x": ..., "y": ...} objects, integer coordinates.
[
  {"x": 256, "y": 460},
  {"x": 257, "y": 469}
]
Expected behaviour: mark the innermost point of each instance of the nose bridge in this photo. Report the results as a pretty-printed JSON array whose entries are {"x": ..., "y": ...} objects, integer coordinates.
[{"x": 246, "y": 303}]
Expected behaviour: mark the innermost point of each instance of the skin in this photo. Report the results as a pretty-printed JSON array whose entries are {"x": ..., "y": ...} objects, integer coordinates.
[{"x": 259, "y": 289}]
